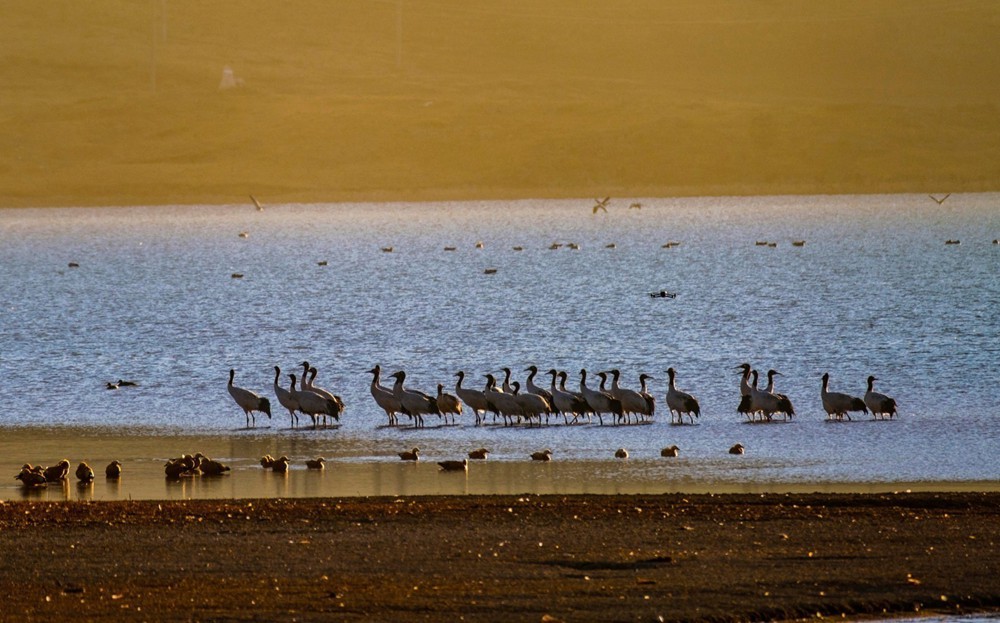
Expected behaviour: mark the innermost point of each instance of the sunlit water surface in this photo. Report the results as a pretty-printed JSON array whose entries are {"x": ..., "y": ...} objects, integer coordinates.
[{"x": 874, "y": 290}]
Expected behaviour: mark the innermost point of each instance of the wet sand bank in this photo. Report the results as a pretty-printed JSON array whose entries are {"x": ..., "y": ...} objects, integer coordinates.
[{"x": 502, "y": 558}]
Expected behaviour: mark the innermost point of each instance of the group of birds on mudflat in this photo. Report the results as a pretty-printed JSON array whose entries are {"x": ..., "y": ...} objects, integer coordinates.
[
  {"x": 39, "y": 476},
  {"x": 534, "y": 405}
]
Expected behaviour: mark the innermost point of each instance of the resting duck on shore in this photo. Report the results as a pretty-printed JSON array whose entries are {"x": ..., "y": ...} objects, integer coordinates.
[
  {"x": 113, "y": 470},
  {"x": 84, "y": 473},
  {"x": 31, "y": 479},
  {"x": 737, "y": 449},
  {"x": 57, "y": 472},
  {"x": 621, "y": 453},
  {"x": 670, "y": 451},
  {"x": 543, "y": 455},
  {"x": 454, "y": 466},
  {"x": 280, "y": 465},
  {"x": 210, "y": 467},
  {"x": 479, "y": 454},
  {"x": 412, "y": 455},
  {"x": 316, "y": 463}
]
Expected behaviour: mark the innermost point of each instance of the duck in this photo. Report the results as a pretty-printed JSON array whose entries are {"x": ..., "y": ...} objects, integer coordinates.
[
  {"x": 621, "y": 453},
  {"x": 454, "y": 466},
  {"x": 479, "y": 454},
  {"x": 542, "y": 455},
  {"x": 737, "y": 449},
  {"x": 31, "y": 479},
  {"x": 411, "y": 455},
  {"x": 317, "y": 463},
  {"x": 670, "y": 451},
  {"x": 280, "y": 465},
  {"x": 57, "y": 472},
  {"x": 210, "y": 467},
  {"x": 114, "y": 470},
  {"x": 84, "y": 473},
  {"x": 266, "y": 461}
]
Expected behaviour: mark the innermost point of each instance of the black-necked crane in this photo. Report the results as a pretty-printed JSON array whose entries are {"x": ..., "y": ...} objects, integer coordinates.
[
  {"x": 566, "y": 402},
  {"x": 448, "y": 405},
  {"x": 506, "y": 386},
  {"x": 745, "y": 406},
  {"x": 414, "y": 403},
  {"x": 310, "y": 403},
  {"x": 632, "y": 401},
  {"x": 650, "y": 411},
  {"x": 531, "y": 388},
  {"x": 383, "y": 396},
  {"x": 285, "y": 398},
  {"x": 837, "y": 404},
  {"x": 879, "y": 404},
  {"x": 778, "y": 403},
  {"x": 598, "y": 401},
  {"x": 501, "y": 402},
  {"x": 533, "y": 406},
  {"x": 334, "y": 412},
  {"x": 680, "y": 403},
  {"x": 249, "y": 401},
  {"x": 472, "y": 397}
]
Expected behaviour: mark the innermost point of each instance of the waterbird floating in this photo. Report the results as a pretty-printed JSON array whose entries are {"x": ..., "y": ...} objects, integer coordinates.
[
  {"x": 670, "y": 451},
  {"x": 737, "y": 449},
  {"x": 479, "y": 454},
  {"x": 410, "y": 455},
  {"x": 113, "y": 470},
  {"x": 454, "y": 466}
]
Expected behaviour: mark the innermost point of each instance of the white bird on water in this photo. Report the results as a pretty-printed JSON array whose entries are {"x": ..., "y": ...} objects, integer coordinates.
[
  {"x": 285, "y": 398},
  {"x": 248, "y": 401},
  {"x": 414, "y": 403},
  {"x": 472, "y": 397},
  {"x": 383, "y": 397}
]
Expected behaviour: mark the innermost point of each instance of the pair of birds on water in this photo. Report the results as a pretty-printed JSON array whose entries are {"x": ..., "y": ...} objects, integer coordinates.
[
  {"x": 193, "y": 465},
  {"x": 767, "y": 402},
  {"x": 36, "y": 476},
  {"x": 280, "y": 464}
]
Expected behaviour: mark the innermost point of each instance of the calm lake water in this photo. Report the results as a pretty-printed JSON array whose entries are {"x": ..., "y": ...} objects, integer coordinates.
[{"x": 874, "y": 290}]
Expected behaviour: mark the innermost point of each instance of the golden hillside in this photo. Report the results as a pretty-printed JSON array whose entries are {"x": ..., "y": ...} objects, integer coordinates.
[{"x": 118, "y": 101}]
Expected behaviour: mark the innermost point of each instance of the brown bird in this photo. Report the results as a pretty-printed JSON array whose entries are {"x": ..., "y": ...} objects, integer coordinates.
[
  {"x": 57, "y": 472},
  {"x": 113, "y": 470},
  {"x": 454, "y": 466},
  {"x": 621, "y": 453},
  {"x": 280, "y": 465},
  {"x": 601, "y": 204},
  {"x": 670, "y": 451},
  {"x": 479, "y": 454},
  {"x": 543, "y": 455},
  {"x": 31, "y": 479},
  {"x": 737, "y": 449},
  {"x": 266, "y": 461},
  {"x": 316, "y": 463},
  {"x": 211, "y": 467},
  {"x": 412, "y": 455},
  {"x": 84, "y": 473},
  {"x": 941, "y": 200}
]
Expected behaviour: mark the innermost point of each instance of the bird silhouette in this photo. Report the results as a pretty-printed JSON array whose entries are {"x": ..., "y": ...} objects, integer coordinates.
[
  {"x": 601, "y": 204},
  {"x": 941, "y": 200},
  {"x": 260, "y": 208},
  {"x": 635, "y": 206}
]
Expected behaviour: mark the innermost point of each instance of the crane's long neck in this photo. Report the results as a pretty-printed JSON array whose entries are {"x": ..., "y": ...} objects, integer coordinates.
[
  {"x": 642, "y": 384},
  {"x": 745, "y": 382},
  {"x": 871, "y": 384},
  {"x": 232, "y": 373},
  {"x": 770, "y": 383},
  {"x": 277, "y": 375},
  {"x": 670, "y": 381},
  {"x": 614, "y": 381},
  {"x": 583, "y": 380},
  {"x": 458, "y": 383}
]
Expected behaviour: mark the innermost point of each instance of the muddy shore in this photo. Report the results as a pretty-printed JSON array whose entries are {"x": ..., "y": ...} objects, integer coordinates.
[{"x": 501, "y": 558}]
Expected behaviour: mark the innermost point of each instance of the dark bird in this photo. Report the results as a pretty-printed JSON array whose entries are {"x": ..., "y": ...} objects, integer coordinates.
[
  {"x": 411, "y": 455},
  {"x": 454, "y": 466},
  {"x": 479, "y": 454},
  {"x": 260, "y": 208},
  {"x": 737, "y": 449},
  {"x": 601, "y": 204},
  {"x": 670, "y": 451},
  {"x": 837, "y": 404},
  {"x": 316, "y": 463},
  {"x": 879, "y": 404},
  {"x": 635, "y": 206},
  {"x": 941, "y": 200},
  {"x": 113, "y": 470},
  {"x": 84, "y": 473}
]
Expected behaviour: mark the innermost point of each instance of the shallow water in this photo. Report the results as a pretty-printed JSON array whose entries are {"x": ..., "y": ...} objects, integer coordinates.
[{"x": 874, "y": 291}]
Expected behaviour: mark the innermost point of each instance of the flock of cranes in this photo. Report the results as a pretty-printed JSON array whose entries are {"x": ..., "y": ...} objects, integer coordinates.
[{"x": 509, "y": 402}]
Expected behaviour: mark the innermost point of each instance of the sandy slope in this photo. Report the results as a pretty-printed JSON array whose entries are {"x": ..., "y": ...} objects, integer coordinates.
[{"x": 117, "y": 102}]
